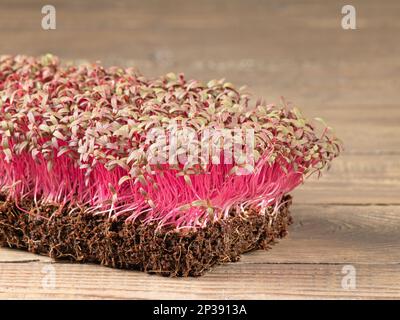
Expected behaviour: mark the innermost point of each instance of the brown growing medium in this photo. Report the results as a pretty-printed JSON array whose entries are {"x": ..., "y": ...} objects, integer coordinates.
[{"x": 83, "y": 237}]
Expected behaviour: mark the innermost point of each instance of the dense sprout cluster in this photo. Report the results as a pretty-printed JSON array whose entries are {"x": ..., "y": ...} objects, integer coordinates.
[{"x": 78, "y": 135}]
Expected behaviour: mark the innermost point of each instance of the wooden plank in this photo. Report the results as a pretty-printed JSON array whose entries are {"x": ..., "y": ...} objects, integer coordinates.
[
  {"x": 235, "y": 281},
  {"x": 294, "y": 49},
  {"x": 355, "y": 179}
]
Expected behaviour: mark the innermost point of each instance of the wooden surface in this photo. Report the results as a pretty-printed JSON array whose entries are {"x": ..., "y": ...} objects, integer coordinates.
[{"x": 351, "y": 216}]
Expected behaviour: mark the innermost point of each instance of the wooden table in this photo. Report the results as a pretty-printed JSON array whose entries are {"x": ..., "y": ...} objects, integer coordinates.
[{"x": 348, "y": 221}]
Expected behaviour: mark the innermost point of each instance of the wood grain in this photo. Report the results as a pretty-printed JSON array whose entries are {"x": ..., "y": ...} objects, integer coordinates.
[
  {"x": 296, "y": 49},
  {"x": 355, "y": 179}
]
